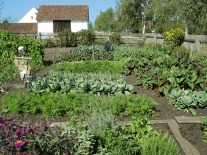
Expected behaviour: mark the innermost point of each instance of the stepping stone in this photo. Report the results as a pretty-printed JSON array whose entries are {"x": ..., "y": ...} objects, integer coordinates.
[
  {"x": 157, "y": 122},
  {"x": 187, "y": 147},
  {"x": 58, "y": 124},
  {"x": 183, "y": 119}
]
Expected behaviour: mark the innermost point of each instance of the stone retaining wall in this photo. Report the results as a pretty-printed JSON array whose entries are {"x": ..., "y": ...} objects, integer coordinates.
[{"x": 23, "y": 64}]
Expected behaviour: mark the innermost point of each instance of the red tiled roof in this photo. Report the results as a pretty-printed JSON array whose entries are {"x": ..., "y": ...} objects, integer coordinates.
[
  {"x": 63, "y": 12},
  {"x": 24, "y": 28}
]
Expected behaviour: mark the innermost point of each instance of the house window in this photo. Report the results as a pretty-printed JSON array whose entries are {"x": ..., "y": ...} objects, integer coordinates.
[{"x": 61, "y": 25}]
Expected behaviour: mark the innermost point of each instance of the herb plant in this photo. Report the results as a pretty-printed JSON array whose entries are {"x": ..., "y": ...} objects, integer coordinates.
[{"x": 113, "y": 67}]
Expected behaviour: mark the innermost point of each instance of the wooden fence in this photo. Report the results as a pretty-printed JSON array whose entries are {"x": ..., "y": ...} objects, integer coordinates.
[{"x": 192, "y": 42}]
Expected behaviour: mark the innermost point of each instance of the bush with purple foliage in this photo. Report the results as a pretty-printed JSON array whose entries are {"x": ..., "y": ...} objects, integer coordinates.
[{"x": 21, "y": 137}]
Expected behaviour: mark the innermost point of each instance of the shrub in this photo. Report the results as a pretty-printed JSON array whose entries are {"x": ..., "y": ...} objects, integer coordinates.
[
  {"x": 99, "y": 119},
  {"x": 86, "y": 37},
  {"x": 9, "y": 44},
  {"x": 67, "y": 38},
  {"x": 115, "y": 38},
  {"x": 50, "y": 42},
  {"x": 174, "y": 37}
]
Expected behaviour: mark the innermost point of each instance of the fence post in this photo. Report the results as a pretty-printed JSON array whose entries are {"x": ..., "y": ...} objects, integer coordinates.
[
  {"x": 39, "y": 36},
  {"x": 155, "y": 38},
  {"x": 197, "y": 44}
]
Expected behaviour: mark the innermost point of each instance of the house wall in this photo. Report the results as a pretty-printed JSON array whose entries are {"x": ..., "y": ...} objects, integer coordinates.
[
  {"x": 30, "y": 17},
  {"x": 45, "y": 27},
  {"x": 78, "y": 25}
]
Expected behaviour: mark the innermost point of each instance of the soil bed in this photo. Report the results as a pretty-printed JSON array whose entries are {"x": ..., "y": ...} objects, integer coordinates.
[{"x": 193, "y": 133}]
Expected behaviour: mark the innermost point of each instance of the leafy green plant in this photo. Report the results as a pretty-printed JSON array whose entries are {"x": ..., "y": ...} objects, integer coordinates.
[
  {"x": 188, "y": 99},
  {"x": 115, "y": 38},
  {"x": 50, "y": 42},
  {"x": 161, "y": 71},
  {"x": 75, "y": 104},
  {"x": 125, "y": 52},
  {"x": 159, "y": 144},
  {"x": 98, "y": 84},
  {"x": 86, "y": 37},
  {"x": 204, "y": 128},
  {"x": 82, "y": 53},
  {"x": 181, "y": 52},
  {"x": 66, "y": 38}
]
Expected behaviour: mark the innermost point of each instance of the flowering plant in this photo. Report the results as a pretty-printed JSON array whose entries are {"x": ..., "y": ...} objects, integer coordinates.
[
  {"x": 21, "y": 137},
  {"x": 174, "y": 37}
]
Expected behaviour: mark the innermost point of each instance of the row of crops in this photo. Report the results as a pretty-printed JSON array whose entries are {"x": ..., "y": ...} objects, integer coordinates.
[
  {"x": 178, "y": 74},
  {"x": 163, "y": 70}
]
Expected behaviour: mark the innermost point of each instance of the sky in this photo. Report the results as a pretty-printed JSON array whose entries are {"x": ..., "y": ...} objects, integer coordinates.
[{"x": 14, "y": 10}]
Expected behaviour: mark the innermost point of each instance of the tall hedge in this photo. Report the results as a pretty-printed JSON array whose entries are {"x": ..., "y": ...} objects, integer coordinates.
[{"x": 9, "y": 44}]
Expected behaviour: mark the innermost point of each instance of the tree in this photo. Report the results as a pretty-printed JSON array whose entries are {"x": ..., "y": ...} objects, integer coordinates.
[
  {"x": 166, "y": 15},
  {"x": 106, "y": 21},
  {"x": 184, "y": 13},
  {"x": 129, "y": 14},
  {"x": 194, "y": 14},
  {"x": 90, "y": 26}
]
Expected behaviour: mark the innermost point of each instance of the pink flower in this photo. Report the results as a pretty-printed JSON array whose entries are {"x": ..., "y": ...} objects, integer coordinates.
[
  {"x": 25, "y": 129},
  {"x": 18, "y": 133},
  {"x": 2, "y": 121},
  {"x": 19, "y": 143}
]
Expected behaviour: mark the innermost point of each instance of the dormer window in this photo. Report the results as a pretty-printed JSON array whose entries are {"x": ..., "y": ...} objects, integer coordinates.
[{"x": 32, "y": 17}]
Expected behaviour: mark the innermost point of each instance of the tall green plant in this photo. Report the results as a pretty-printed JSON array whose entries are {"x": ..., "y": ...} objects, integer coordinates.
[
  {"x": 159, "y": 144},
  {"x": 115, "y": 38},
  {"x": 66, "y": 38},
  {"x": 86, "y": 37}
]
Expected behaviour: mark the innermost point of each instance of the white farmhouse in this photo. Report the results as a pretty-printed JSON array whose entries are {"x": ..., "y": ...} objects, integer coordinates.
[
  {"x": 30, "y": 17},
  {"x": 55, "y": 18}
]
